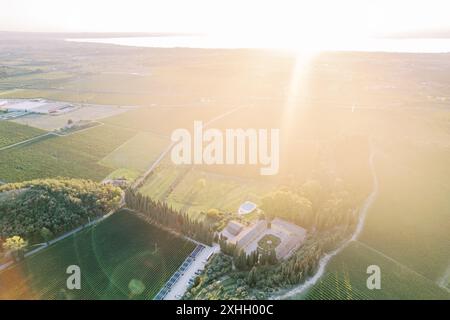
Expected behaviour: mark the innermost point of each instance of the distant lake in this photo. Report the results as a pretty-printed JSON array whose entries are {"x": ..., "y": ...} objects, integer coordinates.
[{"x": 206, "y": 42}]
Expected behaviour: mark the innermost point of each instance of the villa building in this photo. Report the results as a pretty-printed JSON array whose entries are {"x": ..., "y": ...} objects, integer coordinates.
[{"x": 246, "y": 238}]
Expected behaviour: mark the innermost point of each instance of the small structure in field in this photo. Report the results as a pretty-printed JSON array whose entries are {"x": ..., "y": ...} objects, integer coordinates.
[{"x": 119, "y": 182}]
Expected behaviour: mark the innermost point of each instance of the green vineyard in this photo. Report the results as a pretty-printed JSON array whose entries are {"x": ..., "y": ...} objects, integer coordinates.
[
  {"x": 11, "y": 133},
  {"x": 347, "y": 275},
  {"x": 120, "y": 258}
]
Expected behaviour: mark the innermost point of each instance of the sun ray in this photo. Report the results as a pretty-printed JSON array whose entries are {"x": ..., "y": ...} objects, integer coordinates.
[{"x": 297, "y": 93}]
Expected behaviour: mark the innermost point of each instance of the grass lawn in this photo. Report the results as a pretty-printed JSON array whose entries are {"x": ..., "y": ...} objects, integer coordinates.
[
  {"x": 269, "y": 242},
  {"x": 11, "y": 133},
  {"x": 74, "y": 156},
  {"x": 120, "y": 252},
  {"x": 346, "y": 279}
]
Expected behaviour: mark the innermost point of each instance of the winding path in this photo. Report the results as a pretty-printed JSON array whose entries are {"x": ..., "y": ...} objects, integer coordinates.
[{"x": 327, "y": 257}]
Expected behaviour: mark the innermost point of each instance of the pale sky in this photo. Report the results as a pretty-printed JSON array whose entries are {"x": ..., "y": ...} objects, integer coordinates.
[{"x": 355, "y": 17}]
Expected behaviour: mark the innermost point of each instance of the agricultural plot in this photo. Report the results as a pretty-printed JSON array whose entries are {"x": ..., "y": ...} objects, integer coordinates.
[
  {"x": 120, "y": 258},
  {"x": 410, "y": 219},
  {"x": 200, "y": 191},
  {"x": 194, "y": 191},
  {"x": 107, "y": 87},
  {"x": 164, "y": 120},
  {"x": 11, "y": 92},
  {"x": 30, "y": 83},
  {"x": 58, "y": 94},
  {"x": 36, "y": 78},
  {"x": 162, "y": 180},
  {"x": 42, "y": 80},
  {"x": 11, "y": 133},
  {"x": 405, "y": 232},
  {"x": 74, "y": 87},
  {"x": 138, "y": 153},
  {"x": 346, "y": 279},
  {"x": 74, "y": 156}
]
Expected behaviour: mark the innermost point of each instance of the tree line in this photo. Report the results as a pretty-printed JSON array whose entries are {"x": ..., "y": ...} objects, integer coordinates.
[
  {"x": 160, "y": 213},
  {"x": 244, "y": 261},
  {"x": 311, "y": 207}
]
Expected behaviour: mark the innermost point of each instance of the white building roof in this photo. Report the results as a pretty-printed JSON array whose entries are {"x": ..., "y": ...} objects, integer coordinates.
[
  {"x": 33, "y": 105},
  {"x": 234, "y": 227},
  {"x": 27, "y": 105},
  {"x": 247, "y": 207}
]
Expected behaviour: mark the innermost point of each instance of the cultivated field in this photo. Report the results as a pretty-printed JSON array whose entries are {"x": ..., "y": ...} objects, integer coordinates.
[
  {"x": 138, "y": 153},
  {"x": 120, "y": 258},
  {"x": 194, "y": 191},
  {"x": 346, "y": 279},
  {"x": 163, "y": 179},
  {"x": 164, "y": 120},
  {"x": 11, "y": 133},
  {"x": 411, "y": 217},
  {"x": 74, "y": 156},
  {"x": 406, "y": 229}
]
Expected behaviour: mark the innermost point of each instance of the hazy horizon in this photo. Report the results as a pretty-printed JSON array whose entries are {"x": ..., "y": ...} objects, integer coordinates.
[{"x": 329, "y": 19}]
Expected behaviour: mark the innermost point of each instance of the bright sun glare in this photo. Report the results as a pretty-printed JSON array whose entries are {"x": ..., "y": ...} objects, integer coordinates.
[{"x": 317, "y": 23}]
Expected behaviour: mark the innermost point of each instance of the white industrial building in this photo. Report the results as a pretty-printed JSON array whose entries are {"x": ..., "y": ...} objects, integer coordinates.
[{"x": 39, "y": 106}]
